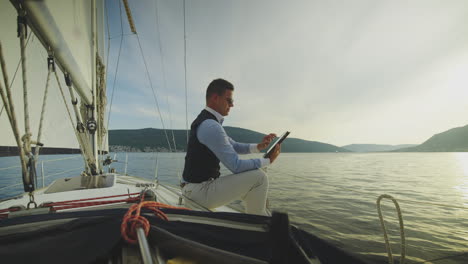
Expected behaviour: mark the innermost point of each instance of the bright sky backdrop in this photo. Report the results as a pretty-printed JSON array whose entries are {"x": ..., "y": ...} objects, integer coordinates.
[{"x": 339, "y": 72}]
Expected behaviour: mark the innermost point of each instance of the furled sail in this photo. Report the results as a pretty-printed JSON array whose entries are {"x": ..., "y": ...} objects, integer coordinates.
[{"x": 73, "y": 31}]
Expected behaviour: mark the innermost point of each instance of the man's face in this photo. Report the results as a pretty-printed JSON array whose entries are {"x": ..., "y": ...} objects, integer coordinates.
[{"x": 225, "y": 102}]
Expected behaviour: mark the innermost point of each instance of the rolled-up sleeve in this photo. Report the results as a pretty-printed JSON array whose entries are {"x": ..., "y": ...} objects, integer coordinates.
[{"x": 211, "y": 134}]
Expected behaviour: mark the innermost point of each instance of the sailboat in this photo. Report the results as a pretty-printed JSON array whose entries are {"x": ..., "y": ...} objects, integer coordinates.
[{"x": 99, "y": 216}]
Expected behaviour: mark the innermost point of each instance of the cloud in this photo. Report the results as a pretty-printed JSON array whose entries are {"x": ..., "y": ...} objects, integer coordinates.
[
  {"x": 147, "y": 112},
  {"x": 116, "y": 109},
  {"x": 360, "y": 72}
]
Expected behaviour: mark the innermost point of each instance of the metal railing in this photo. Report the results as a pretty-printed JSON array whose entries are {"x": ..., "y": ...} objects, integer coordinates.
[{"x": 43, "y": 176}]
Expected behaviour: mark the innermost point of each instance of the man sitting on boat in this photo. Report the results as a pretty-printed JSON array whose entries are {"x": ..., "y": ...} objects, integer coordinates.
[{"x": 209, "y": 144}]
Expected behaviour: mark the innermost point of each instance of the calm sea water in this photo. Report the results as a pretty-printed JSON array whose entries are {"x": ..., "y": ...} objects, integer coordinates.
[{"x": 333, "y": 195}]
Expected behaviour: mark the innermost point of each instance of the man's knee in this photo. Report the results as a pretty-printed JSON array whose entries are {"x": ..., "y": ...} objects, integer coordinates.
[{"x": 261, "y": 176}]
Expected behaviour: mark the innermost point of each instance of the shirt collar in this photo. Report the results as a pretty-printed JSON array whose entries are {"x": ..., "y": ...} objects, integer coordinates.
[{"x": 216, "y": 114}]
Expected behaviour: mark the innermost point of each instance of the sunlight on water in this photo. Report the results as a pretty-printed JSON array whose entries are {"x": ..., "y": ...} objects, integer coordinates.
[
  {"x": 463, "y": 187},
  {"x": 462, "y": 159}
]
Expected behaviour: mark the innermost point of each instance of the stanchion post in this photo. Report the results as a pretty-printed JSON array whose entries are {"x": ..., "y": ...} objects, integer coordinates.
[{"x": 42, "y": 172}]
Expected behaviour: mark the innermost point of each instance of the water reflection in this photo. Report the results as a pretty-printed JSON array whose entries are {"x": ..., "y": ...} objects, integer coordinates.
[
  {"x": 333, "y": 196},
  {"x": 462, "y": 158}
]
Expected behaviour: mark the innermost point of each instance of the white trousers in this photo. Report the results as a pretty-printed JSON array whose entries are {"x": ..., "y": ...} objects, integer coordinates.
[{"x": 250, "y": 186}]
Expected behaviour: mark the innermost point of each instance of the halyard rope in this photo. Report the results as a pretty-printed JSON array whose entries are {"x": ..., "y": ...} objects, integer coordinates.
[
  {"x": 16, "y": 71},
  {"x": 6, "y": 103},
  {"x": 30, "y": 172},
  {"x": 27, "y": 137},
  {"x": 70, "y": 116},
  {"x": 101, "y": 107},
  {"x": 44, "y": 103},
  {"x": 80, "y": 129},
  {"x": 9, "y": 106}
]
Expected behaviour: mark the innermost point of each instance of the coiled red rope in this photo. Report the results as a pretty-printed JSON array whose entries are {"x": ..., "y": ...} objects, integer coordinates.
[{"x": 132, "y": 219}]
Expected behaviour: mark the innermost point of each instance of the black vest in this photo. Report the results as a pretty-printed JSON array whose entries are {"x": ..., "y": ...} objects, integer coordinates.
[{"x": 201, "y": 163}]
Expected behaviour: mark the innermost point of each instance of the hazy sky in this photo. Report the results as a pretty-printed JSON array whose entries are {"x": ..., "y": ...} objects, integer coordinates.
[{"x": 339, "y": 72}]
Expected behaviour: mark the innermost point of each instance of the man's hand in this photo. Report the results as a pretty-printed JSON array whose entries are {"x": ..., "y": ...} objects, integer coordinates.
[
  {"x": 275, "y": 153},
  {"x": 266, "y": 141}
]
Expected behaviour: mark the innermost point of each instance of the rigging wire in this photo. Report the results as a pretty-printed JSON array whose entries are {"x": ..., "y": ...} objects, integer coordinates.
[
  {"x": 83, "y": 150},
  {"x": 120, "y": 35},
  {"x": 147, "y": 73},
  {"x": 154, "y": 92},
  {"x": 16, "y": 71},
  {"x": 185, "y": 79},
  {"x": 83, "y": 147},
  {"x": 117, "y": 67},
  {"x": 163, "y": 72}
]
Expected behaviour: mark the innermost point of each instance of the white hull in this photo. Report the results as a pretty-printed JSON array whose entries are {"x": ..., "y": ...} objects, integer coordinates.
[{"x": 115, "y": 188}]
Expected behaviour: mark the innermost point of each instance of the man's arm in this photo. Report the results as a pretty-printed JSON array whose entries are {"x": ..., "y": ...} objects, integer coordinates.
[
  {"x": 243, "y": 148},
  {"x": 211, "y": 134}
]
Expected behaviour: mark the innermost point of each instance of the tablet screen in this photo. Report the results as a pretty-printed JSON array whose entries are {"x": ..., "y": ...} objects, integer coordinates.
[{"x": 278, "y": 141}]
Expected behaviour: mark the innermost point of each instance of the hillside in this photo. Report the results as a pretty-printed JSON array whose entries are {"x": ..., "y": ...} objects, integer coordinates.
[
  {"x": 453, "y": 140},
  {"x": 375, "y": 147},
  {"x": 149, "y": 139}
]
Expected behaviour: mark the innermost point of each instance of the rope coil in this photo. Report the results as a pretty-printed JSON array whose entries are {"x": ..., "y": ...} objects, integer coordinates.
[{"x": 133, "y": 220}]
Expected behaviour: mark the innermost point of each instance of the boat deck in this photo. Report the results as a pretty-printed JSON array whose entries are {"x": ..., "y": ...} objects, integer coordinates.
[{"x": 111, "y": 187}]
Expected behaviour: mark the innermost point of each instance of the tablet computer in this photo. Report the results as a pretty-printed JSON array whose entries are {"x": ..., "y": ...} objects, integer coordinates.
[{"x": 278, "y": 141}]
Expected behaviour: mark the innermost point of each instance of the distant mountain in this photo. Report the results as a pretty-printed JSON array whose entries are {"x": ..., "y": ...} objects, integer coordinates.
[
  {"x": 453, "y": 140},
  {"x": 375, "y": 147},
  {"x": 148, "y": 139}
]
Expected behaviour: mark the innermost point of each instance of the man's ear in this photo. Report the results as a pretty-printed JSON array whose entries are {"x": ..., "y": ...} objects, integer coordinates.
[{"x": 212, "y": 98}]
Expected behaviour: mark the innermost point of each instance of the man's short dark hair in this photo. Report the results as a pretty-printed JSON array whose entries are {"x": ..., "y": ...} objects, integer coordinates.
[{"x": 219, "y": 87}]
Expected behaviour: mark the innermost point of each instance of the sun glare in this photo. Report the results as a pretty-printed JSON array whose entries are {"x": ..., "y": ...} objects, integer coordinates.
[
  {"x": 462, "y": 158},
  {"x": 463, "y": 186}
]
